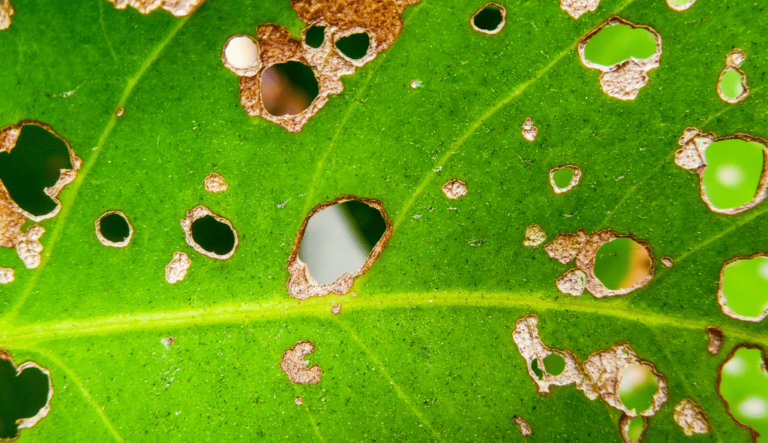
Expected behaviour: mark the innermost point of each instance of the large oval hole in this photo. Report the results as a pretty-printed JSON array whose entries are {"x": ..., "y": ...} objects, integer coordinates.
[
  {"x": 354, "y": 46},
  {"x": 213, "y": 236},
  {"x": 315, "y": 36},
  {"x": 288, "y": 88},
  {"x": 616, "y": 43},
  {"x": 637, "y": 388},
  {"x": 622, "y": 263},
  {"x": 733, "y": 172}
]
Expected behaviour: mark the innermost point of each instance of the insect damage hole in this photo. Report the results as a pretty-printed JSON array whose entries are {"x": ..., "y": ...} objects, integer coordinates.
[
  {"x": 26, "y": 395},
  {"x": 354, "y": 46},
  {"x": 743, "y": 386},
  {"x": 297, "y": 369},
  {"x": 743, "y": 289},
  {"x": 338, "y": 241},
  {"x": 288, "y": 88},
  {"x": 314, "y": 36},
  {"x": 691, "y": 417},
  {"x": 575, "y": 8},
  {"x": 209, "y": 234},
  {"x": 622, "y": 263},
  {"x": 241, "y": 55},
  {"x": 564, "y": 178},
  {"x": 490, "y": 19},
  {"x": 624, "y": 53},
  {"x": 215, "y": 183},
  {"x": 732, "y": 84},
  {"x": 113, "y": 229},
  {"x": 632, "y": 428}
]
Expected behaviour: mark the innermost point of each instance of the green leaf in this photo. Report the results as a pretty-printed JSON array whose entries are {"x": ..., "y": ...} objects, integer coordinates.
[{"x": 424, "y": 351}]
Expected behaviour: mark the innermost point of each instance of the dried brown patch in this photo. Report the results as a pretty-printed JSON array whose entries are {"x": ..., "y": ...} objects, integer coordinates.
[
  {"x": 691, "y": 155},
  {"x": 380, "y": 19},
  {"x": 733, "y": 61},
  {"x": 682, "y": 7},
  {"x": 215, "y": 183},
  {"x": 6, "y": 11},
  {"x": 691, "y": 417},
  {"x": 6, "y": 276},
  {"x": 721, "y": 295},
  {"x": 454, "y": 189},
  {"x": 26, "y": 423},
  {"x": 336, "y": 308},
  {"x": 106, "y": 242},
  {"x": 534, "y": 236},
  {"x": 498, "y": 28},
  {"x": 624, "y": 428},
  {"x": 300, "y": 283},
  {"x": 575, "y": 8},
  {"x": 295, "y": 366},
  {"x": 200, "y": 212},
  {"x": 525, "y": 428},
  {"x": 574, "y": 180},
  {"x": 119, "y": 112},
  {"x": 529, "y": 131},
  {"x": 299, "y": 401},
  {"x": 623, "y": 80},
  {"x": 179, "y": 8},
  {"x": 566, "y": 247},
  {"x": 667, "y": 261},
  {"x": 28, "y": 246},
  {"x": 716, "y": 337},
  {"x": 764, "y": 364},
  {"x": 176, "y": 270},
  {"x": 572, "y": 282}
]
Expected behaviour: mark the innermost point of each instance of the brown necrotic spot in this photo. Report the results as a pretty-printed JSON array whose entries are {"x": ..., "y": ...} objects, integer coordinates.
[
  {"x": 534, "y": 236},
  {"x": 294, "y": 365},
  {"x": 564, "y": 178},
  {"x": 337, "y": 242},
  {"x": 575, "y": 8},
  {"x": 715, "y": 336},
  {"x": 529, "y": 131},
  {"x": 525, "y": 428},
  {"x": 336, "y": 308},
  {"x": 691, "y": 417},
  {"x": 490, "y": 19},
  {"x": 680, "y": 5},
  {"x": 25, "y": 392},
  {"x": 743, "y": 288},
  {"x": 215, "y": 183},
  {"x": 176, "y": 270},
  {"x": 620, "y": 50},
  {"x": 209, "y": 234},
  {"x": 454, "y": 189},
  {"x": 667, "y": 261},
  {"x": 732, "y": 84},
  {"x": 6, "y": 275},
  {"x": 179, "y": 8},
  {"x": 6, "y": 11},
  {"x": 241, "y": 55},
  {"x": 114, "y": 229}
]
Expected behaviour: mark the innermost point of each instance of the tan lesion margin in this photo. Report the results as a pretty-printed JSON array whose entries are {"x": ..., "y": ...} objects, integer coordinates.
[
  {"x": 723, "y": 302},
  {"x": 199, "y": 212},
  {"x": 575, "y": 8},
  {"x": 498, "y": 29},
  {"x": 691, "y": 417},
  {"x": 733, "y": 61},
  {"x": 300, "y": 283},
  {"x": 294, "y": 365},
  {"x": 624, "y": 428},
  {"x": 682, "y": 7},
  {"x": 574, "y": 180},
  {"x": 179, "y": 8},
  {"x": 106, "y": 242},
  {"x": 25, "y": 423},
  {"x": 623, "y": 80},
  {"x": 6, "y": 11},
  {"x": 691, "y": 155},
  {"x": 715, "y": 337},
  {"x": 755, "y": 434}
]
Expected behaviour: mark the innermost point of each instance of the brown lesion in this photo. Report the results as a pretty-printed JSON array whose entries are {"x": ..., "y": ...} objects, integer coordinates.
[
  {"x": 624, "y": 428},
  {"x": 502, "y": 11},
  {"x": 682, "y": 7},
  {"x": 733, "y": 61},
  {"x": 179, "y": 8},
  {"x": 294, "y": 365},
  {"x": 691, "y": 417},
  {"x": 300, "y": 283},
  {"x": 26, "y": 423}
]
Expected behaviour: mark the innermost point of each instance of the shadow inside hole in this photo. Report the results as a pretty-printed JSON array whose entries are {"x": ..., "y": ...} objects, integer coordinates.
[
  {"x": 213, "y": 235},
  {"x": 488, "y": 19},
  {"x": 733, "y": 172},
  {"x": 614, "y": 44},
  {"x": 744, "y": 387},
  {"x": 35, "y": 163},
  {"x": 745, "y": 286},
  {"x": 315, "y": 36},
  {"x": 21, "y": 396},
  {"x": 339, "y": 239},
  {"x": 637, "y": 388},
  {"x": 563, "y": 177},
  {"x": 354, "y": 46},
  {"x": 622, "y": 263},
  {"x": 114, "y": 227},
  {"x": 288, "y": 88}
]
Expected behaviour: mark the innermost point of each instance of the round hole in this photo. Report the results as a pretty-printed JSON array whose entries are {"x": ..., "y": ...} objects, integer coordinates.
[
  {"x": 113, "y": 229},
  {"x": 213, "y": 236},
  {"x": 315, "y": 36},
  {"x": 490, "y": 19},
  {"x": 622, "y": 263}
]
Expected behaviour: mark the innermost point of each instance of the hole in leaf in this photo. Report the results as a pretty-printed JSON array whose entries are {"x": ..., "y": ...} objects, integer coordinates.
[
  {"x": 213, "y": 235},
  {"x": 113, "y": 229},
  {"x": 733, "y": 172},
  {"x": 637, "y": 388},
  {"x": 35, "y": 163},
  {"x": 535, "y": 368},
  {"x": 354, "y": 46},
  {"x": 490, "y": 19},
  {"x": 617, "y": 43},
  {"x": 562, "y": 177},
  {"x": 744, "y": 388},
  {"x": 24, "y": 396},
  {"x": 339, "y": 239},
  {"x": 731, "y": 85},
  {"x": 288, "y": 88},
  {"x": 744, "y": 288},
  {"x": 632, "y": 428},
  {"x": 554, "y": 364},
  {"x": 315, "y": 36},
  {"x": 622, "y": 263}
]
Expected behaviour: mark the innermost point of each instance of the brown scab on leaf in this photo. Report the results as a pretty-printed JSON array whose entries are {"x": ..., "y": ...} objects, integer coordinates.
[
  {"x": 380, "y": 19},
  {"x": 498, "y": 28},
  {"x": 691, "y": 155},
  {"x": 6, "y": 276},
  {"x": 679, "y": 7},
  {"x": 295, "y": 366},
  {"x": 179, "y": 8},
  {"x": 566, "y": 247},
  {"x": 454, "y": 189},
  {"x": 525, "y": 428},
  {"x": 300, "y": 283},
  {"x": 529, "y": 131},
  {"x": 104, "y": 241},
  {"x": 200, "y": 212},
  {"x": 176, "y": 270},
  {"x": 572, "y": 282},
  {"x": 26, "y": 423},
  {"x": 28, "y": 246},
  {"x": 575, "y": 8},
  {"x": 215, "y": 183},
  {"x": 715, "y": 336},
  {"x": 733, "y": 62},
  {"x": 624, "y": 428},
  {"x": 574, "y": 179},
  {"x": 299, "y": 401},
  {"x": 534, "y": 236},
  {"x": 336, "y": 308},
  {"x": 667, "y": 261},
  {"x": 691, "y": 417},
  {"x": 623, "y": 80},
  {"x": 6, "y": 11}
]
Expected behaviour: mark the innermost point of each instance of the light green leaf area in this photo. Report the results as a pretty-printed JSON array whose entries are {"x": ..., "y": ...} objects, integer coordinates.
[{"x": 424, "y": 351}]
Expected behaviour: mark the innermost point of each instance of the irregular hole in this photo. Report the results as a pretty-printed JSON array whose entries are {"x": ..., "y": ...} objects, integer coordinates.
[
  {"x": 691, "y": 417},
  {"x": 554, "y": 364},
  {"x": 680, "y": 5},
  {"x": 113, "y": 229},
  {"x": 338, "y": 241},
  {"x": 241, "y": 55},
  {"x": 354, "y": 46},
  {"x": 564, "y": 178},
  {"x": 454, "y": 189},
  {"x": 6, "y": 11},
  {"x": 25, "y": 395},
  {"x": 633, "y": 428},
  {"x": 490, "y": 19},
  {"x": 622, "y": 263},
  {"x": 667, "y": 261},
  {"x": 35, "y": 163},
  {"x": 743, "y": 292},
  {"x": 637, "y": 388},
  {"x": 179, "y": 8},
  {"x": 6, "y": 276},
  {"x": 336, "y": 308},
  {"x": 209, "y": 234},
  {"x": 288, "y": 88},
  {"x": 572, "y": 282},
  {"x": 732, "y": 84},
  {"x": 617, "y": 43},
  {"x": 297, "y": 369},
  {"x": 314, "y": 36},
  {"x": 743, "y": 386},
  {"x": 715, "y": 336}
]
